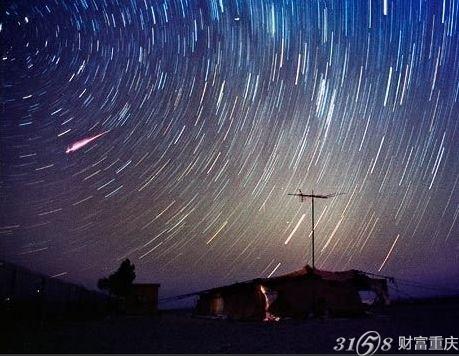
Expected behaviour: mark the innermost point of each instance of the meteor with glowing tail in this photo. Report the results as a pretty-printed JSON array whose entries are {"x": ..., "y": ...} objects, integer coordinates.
[{"x": 83, "y": 142}]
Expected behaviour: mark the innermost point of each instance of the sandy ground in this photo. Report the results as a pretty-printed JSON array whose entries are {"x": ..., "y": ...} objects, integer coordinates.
[{"x": 179, "y": 332}]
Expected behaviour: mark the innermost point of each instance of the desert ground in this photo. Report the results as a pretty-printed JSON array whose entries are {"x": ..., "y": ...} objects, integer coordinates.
[{"x": 180, "y": 332}]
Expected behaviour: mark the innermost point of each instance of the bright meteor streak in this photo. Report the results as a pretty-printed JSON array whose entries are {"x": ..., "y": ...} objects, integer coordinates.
[
  {"x": 294, "y": 230},
  {"x": 81, "y": 143}
]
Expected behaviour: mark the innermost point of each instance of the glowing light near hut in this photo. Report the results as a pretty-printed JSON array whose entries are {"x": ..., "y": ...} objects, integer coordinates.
[{"x": 268, "y": 315}]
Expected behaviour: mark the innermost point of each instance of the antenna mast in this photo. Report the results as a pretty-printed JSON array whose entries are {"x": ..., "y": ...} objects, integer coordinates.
[
  {"x": 312, "y": 228},
  {"x": 312, "y": 196}
]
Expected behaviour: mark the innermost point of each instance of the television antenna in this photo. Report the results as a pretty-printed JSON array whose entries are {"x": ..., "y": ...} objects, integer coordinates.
[{"x": 312, "y": 196}]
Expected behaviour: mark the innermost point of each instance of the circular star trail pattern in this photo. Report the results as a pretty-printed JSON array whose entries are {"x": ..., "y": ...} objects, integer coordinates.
[{"x": 211, "y": 112}]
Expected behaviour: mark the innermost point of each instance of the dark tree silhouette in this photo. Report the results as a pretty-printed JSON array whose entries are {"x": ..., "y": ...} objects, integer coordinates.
[{"x": 119, "y": 283}]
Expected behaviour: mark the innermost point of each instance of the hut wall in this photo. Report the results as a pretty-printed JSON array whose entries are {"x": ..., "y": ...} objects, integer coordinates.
[
  {"x": 298, "y": 298},
  {"x": 245, "y": 304},
  {"x": 210, "y": 305}
]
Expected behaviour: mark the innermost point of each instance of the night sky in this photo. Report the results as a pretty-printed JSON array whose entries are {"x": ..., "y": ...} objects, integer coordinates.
[{"x": 170, "y": 132}]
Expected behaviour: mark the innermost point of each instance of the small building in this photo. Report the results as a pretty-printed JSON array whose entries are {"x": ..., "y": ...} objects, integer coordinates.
[
  {"x": 298, "y": 294},
  {"x": 143, "y": 299},
  {"x": 25, "y": 294}
]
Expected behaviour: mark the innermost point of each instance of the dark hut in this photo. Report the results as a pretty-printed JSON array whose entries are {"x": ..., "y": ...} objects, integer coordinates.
[
  {"x": 143, "y": 299},
  {"x": 238, "y": 301},
  {"x": 297, "y": 294}
]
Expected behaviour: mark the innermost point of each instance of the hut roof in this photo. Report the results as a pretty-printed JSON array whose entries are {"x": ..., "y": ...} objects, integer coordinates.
[{"x": 307, "y": 271}]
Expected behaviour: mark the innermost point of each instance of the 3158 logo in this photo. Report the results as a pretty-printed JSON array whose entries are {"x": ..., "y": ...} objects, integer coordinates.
[{"x": 367, "y": 344}]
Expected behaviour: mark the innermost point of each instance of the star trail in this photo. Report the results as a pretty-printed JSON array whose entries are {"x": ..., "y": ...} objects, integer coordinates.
[{"x": 171, "y": 131}]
